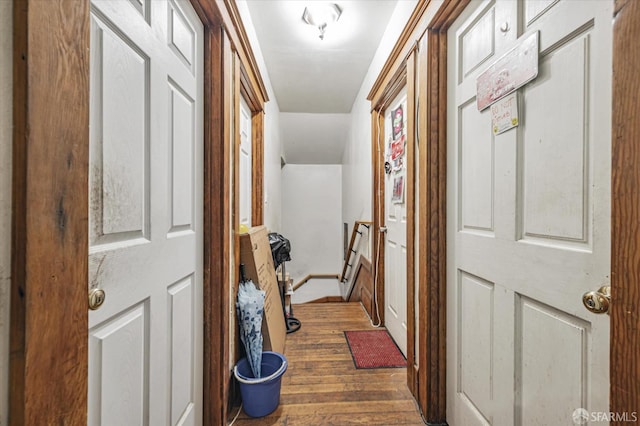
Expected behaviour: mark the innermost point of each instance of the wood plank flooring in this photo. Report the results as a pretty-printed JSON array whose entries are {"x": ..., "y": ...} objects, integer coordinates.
[{"x": 322, "y": 385}]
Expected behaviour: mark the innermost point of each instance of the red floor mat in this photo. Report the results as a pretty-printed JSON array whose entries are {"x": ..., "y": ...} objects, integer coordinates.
[{"x": 374, "y": 349}]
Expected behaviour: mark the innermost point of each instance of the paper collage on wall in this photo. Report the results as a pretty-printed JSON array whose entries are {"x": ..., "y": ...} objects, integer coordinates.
[{"x": 396, "y": 149}]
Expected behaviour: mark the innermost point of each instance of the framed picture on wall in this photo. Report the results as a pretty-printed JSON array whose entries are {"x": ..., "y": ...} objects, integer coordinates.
[{"x": 397, "y": 196}]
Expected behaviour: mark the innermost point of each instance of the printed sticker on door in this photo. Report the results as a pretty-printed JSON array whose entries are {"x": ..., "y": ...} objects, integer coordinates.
[{"x": 504, "y": 114}]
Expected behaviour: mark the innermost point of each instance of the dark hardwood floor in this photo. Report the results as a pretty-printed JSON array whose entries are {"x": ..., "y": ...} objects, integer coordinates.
[{"x": 322, "y": 385}]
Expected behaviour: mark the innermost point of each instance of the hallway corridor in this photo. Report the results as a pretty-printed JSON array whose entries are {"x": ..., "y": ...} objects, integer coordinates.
[{"x": 322, "y": 385}]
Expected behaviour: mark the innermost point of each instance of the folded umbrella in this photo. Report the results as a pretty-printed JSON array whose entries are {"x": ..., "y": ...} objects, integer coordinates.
[{"x": 250, "y": 307}]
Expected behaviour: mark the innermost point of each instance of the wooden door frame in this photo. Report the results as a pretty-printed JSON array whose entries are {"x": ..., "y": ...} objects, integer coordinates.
[
  {"x": 255, "y": 100},
  {"x": 243, "y": 88},
  {"x": 410, "y": 62},
  {"x": 49, "y": 334},
  {"x": 432, "y": 378},
  {"x": 247, "y": 83},
  {"x": 404, "y": 77},
  {"x": 431, "y": 81},
  {"x": 625, "y": 196},
  {"x": 49, "y": 243},
  {"x": 625, "y": 236}
]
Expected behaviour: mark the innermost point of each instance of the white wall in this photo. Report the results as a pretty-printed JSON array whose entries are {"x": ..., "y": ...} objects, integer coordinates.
[
  {"x": 311, "y": 218},
  {"x": 312, "y": 138},
  {"x": 6, "y": 40},
  {"x": 272, "y": 140},
  {"x": 356, "y": 160},
  {"x": 272, "y": 171},
  {"x": 315, "y": 289}
]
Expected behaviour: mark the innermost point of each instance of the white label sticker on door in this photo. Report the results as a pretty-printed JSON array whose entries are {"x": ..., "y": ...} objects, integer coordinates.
[{"x": 504, "y": 114}]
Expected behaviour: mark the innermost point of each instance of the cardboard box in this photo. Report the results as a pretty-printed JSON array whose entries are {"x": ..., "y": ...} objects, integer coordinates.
[
  {"x": 279, "y": 274},
  {"x": 255, "y": 254}
]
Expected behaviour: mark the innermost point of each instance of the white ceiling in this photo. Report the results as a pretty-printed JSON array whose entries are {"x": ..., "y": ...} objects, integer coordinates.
[{"x": 309, "y": 75}]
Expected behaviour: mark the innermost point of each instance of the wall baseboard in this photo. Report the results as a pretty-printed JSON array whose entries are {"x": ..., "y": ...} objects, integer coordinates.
[{"x": 327, "y": 299}]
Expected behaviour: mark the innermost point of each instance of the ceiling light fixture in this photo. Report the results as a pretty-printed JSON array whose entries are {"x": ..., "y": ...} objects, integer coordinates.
[{"x": 320, "y": 15}]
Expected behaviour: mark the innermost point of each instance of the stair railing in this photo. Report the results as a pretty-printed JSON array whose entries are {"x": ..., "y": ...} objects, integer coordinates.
[{"x": 348, "y": 261}]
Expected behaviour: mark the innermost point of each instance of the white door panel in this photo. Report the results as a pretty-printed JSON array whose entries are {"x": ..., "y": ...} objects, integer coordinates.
[
  {"x": 246, "y": 166},
  {"x": 528, "y": 218},
  {"x": 145, "y": 227},
  {"x": 395, "y": 263}
]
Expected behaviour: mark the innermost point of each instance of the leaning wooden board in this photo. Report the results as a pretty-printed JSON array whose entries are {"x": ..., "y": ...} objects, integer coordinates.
[{"x": 255, "y": 254}]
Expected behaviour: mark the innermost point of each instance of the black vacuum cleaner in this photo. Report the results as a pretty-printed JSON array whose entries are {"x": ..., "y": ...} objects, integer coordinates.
[{"x": 281, "y": 253}]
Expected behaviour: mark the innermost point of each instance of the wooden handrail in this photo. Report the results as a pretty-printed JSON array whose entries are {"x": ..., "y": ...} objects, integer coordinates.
[
  {"x": 312, "y": 276},
  {"x": 350, "y": 251}
]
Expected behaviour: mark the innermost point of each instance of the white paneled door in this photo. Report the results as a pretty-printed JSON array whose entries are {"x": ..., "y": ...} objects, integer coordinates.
[
  {"x": 529, "y": 218},
  {"x": 145, "y": 226},
  {"x": 395, "y": 249},
  {"x": 246, "y": 172}
]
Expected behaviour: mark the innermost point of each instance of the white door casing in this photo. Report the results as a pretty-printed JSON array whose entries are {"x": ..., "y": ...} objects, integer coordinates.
[
  {"x": 146, "y": 213},
  {"x": 528, "y": 218},
  {"x": 246, "y": 168},
  {"x": 395, "y": 239}
]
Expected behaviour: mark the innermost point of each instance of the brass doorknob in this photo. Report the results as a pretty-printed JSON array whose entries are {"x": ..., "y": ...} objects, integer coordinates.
[
  {"x": 96, "y": 298},
  {"x": 598, "y": 301}
]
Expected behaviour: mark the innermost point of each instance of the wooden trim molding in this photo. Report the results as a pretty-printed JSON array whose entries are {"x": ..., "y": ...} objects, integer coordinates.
[
  {"x": 216, "y": 232},
  {"x": 421, "y": 211},
  {"x": 418, "y": 60},
  {"x": 432, "y": 124},
  {"x": 327, "y": 299},
  {"x": 625, "y": 235},
  {"x": 377, "y": 197},
  {"x": 255, "y": 101},
  {"x": 257, "y": 196},
  {"x": 234, "y": 101},
  {"x": 423, "y": 220},
  {"x": 256, "y": 105},
  {"x": 230, "y": 248},
  {"x": 235, "y": 74},
  {"x": 49, "y": 336},
  {"x": 250, "y": 92},
  {"x": 432, "y": 233},
  {"x": 446, "y": 14},
  {"x": 396, "y": 83},
  {"x": 410, "y": 199},
  {"x": 413, "y": 30},
  {"x": 404, "y": 76},
  {"x": 240, "y": 41}
]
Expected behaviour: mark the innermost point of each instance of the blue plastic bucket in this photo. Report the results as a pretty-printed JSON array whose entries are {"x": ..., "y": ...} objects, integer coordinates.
[{"x": 261, "y": 397}]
